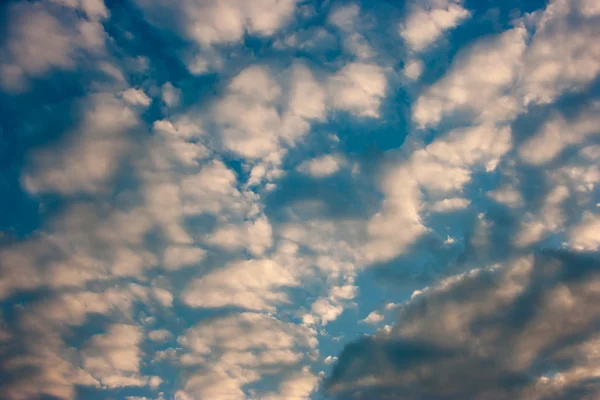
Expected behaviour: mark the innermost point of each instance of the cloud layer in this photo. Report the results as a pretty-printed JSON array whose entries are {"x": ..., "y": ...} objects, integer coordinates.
[{"x": 290, "y": 200}]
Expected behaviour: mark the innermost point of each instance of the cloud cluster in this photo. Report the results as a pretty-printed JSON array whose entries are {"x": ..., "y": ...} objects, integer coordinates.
[
  {"x": 236, "y": 350},
  {"x": 428, "y": 20},
  {"x": 216, "y": 197},
  {"x": 44, "y": 36}
]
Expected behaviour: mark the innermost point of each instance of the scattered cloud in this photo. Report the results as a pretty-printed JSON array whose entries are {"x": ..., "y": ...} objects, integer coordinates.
[
  {"x": 373, "y": 318},
  {"x": 49, "y": 35},
  {"x": 427, "y": 21},
  {"x": 358, "y": 88},
  {"x": 321, "y": 167},
  {"x": 214, "y": 199}
]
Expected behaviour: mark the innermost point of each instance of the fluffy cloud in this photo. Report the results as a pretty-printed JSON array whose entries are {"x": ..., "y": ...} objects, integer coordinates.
[
  {"x": 358, "y": 88},
  {"x": 214, "y": 22},
  {"x": 330, "y": 359},
  {"x": 507, "y": 195},
  {"x": 90, "y": 159},
  {"x": 237, "y": 348},
  {"x": 298, "y": 386},
  {"x": 556, "y": 60},
  {"x": 477, "y": 83},
  {"x": 62, "y": 256},
  {"x": 585, "y": 235},
  {"x": 182, "y": 256},
  {"x": 428, "y": 20},
  {"x": 251, "y": 124},
  {"x": 348, "y": 21},
  {"x": 42, "y": 37},
  {"x": 114, "y": 357},
  {"x": 321, "y": 167},
  {"x": 413, "y": 69},
  {"x": 170, "y": 240},
  {"x": 373, "y": 318},
  {"x": 256, "y": 236},
  {"x": 441, "y": 168},
  {"x": 327, "y": 309},
  {"x": 455, "y": 203},
  {"x": 558, "y": 134},
  {"x": 251, "y": 284},
  {"x": 42, "y": 331}
]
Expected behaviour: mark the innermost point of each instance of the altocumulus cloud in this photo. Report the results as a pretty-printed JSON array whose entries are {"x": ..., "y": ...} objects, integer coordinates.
[{"x": 284, "y": 199}]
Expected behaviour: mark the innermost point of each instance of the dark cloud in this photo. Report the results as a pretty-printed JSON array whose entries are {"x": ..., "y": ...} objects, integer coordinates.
[{"x": 526, "y": 330}]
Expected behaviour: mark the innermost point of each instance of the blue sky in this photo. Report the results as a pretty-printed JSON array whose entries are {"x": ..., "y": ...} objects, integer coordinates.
[{"x": 286, "y": 199}]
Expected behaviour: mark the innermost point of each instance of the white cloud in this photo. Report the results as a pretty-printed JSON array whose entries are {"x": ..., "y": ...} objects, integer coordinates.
[
  {"x": 481, "y": 145},
  {"x": 401, "y": 207},
  {"x": 321, "y": 167},
  {"x": 251, "y": 284},
  {"x": 234, "y": 349},
  {"x": 564, "y": 54},
  {"x": 176, "y": 257},
  {"x": 358, "y": 88},
  {"x": 54, "y": 375},
  {"x": 72, "y": 308},
  {"x": 198, "y": 64},
  {"x": 428, "y": 20},
  {"x": 307, "y": 97},
  {"x": 114, "y": 357},
  {"x": 297, "y": 386},
  {"x": 135, "y": 97},
  {"x": 163, "y": 296},
  {"x": 327, "y": 309},
  {"x": 507, "y": 195},
  {"x": 256, "y": 120},
  {"x": 347, "y": 20},
  {"x": 159, "y": 335},
  {"x": 413, "y": 69},
  {"x": 373, "y": 318},
  {"x": 580, "y": 174},
  {"x": 87, "y": 161},
  {"x": 170, "y": 94},
  {"x": 255, "y": 235},
  {"x": 212, "y": 190},
  {"x": 315, "y": 39},
  {"x": 345, "y": 17},
  {"x": 94, "y": 9},
  {"x": 586, "y": 234},
  {"x": 330, "y": 359},
  {"x": 323, "y": 311},
  {"x": 38, "y": 41},
  {"x": 248, "y": 114},
  {"x": 61, "y": 256},
  {"x": 452, "y": 204},
  {"x": 478, "y": 82},
  {"x": 182, "y": 128},
  {"x": 261, "y": 332},
  {"x": 215, "y": 22},
  {"x": 441, "y": 168},
  {"x": 344, "y": 292},
  {"x": 557, "y": 134},
  {"x": 334, "y": 242},
  {"x": 55, "y": 367},
  {"x": 148, "y": 232},
  {"x": 171, "y": 193}
]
